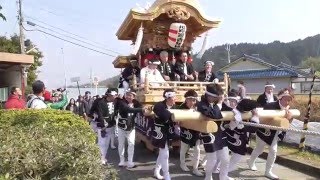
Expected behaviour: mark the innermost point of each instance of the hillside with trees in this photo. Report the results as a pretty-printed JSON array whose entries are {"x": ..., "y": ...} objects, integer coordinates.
[{"x": 292, "y": 53}]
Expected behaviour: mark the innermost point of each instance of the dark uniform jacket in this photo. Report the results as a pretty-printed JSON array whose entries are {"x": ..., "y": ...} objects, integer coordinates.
[
  {"x": 167, "y": 69},
  {"x": 179, "y": 69},
  {"x": 211, "y": 141},
  {"x": 163, "y": 125},
  {"x": 202, "y": 77},
  {"x": 262, "y": 99},
  {"x": 188, "y": 136},
  {"x": 127, "y": 114},
  {"x": 105, "y": 112},
  {"x": 268, "y": 135}
]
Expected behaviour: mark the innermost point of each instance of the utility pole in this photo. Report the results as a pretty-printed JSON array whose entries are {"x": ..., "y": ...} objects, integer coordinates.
[
  {"x": 21, "y": 27},
  {"x": 64, "y": 68},
  {"x": 228, "y": 51}
]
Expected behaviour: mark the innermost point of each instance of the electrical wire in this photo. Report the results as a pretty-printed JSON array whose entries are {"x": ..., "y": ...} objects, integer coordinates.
[
  {"x": 73, "y": 34},
  {"x": 80, "y": 45},
  {"x": 71, "y": 37}
]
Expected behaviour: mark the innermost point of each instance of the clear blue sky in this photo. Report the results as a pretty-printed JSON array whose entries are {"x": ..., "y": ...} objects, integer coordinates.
[{"x": 98, "y": 20}]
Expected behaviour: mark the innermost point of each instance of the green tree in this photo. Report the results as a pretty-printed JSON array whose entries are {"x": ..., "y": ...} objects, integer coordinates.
[
  {"x": 312, "y": 62},
  {"x": 1, "y": 15},
  {"x": 12, "y": 45}
]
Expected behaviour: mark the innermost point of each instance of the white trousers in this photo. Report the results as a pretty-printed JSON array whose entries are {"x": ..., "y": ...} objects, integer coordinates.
[
  {"x": 163, "y": 162},
  {"x": 94, "y": 126},
  {"x": 130, "y": 136},
  {"x": 213, "y": 158},
  {"x": 125, "y": 85},
  {"x": 234, "y": 160},
  {"x": 271, "y": 155},
  {"x": 103, "y": 143},
  {"x": 112, "y": 134},
  {"x": 196, "y": 157}
]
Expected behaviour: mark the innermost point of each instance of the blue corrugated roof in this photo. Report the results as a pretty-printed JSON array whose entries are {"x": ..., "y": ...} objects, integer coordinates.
[{"x": 265, "y": 73}]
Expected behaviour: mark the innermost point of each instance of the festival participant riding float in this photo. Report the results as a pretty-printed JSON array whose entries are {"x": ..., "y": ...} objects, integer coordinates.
[
  {"x": 207, "y": 75},
  {"x": 128, "y": 110},
  {"x": 267, "y": 96},
  {"x": 165, "y": 68},
  {"x": 151, "y": 71},
  {"x": 104, "y": 109},
  {"x": 163, "y": 132},
  {"x": 190, "y": 138},
  {"x": 128, "y": 73},
  {"x": 183, "y": 69},
  {"x": 271, "y": 137},
  {"x": 237, "y": 133},
  {"x": 215, "y": 144}
]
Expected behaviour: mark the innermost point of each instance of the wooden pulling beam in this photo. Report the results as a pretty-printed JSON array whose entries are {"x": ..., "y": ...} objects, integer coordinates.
[{"x": 196, "y": 121}]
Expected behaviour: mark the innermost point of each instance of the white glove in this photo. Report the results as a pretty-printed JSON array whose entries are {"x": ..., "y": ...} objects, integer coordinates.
[
  {"x": 237, "y": 115},
  {"x": 216, "y": 81},
  {"x": 177, "y": 129},
  {"x": 255, "y": 119}
]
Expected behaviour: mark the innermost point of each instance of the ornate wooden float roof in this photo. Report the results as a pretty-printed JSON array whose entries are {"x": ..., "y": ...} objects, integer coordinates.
[{"x": 186, "y": 11}]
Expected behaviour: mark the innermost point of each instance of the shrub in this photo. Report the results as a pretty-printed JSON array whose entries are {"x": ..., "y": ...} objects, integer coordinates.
[
  {"x": 48, "y": 144},
  {"x": 301, "y": 103}
]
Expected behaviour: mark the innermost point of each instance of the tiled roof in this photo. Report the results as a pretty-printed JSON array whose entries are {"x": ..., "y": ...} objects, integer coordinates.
[{"x": 265, "y": 73}]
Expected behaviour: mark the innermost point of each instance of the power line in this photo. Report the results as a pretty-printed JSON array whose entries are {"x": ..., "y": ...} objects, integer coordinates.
[
  {"x": 71, "y": 42},
  {"x": 30, "y": 23},
  {"x": 72, "y": 34}
]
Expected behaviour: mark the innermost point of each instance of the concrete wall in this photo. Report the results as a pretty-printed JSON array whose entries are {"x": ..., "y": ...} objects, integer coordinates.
[{"x": 257, "y": 85}]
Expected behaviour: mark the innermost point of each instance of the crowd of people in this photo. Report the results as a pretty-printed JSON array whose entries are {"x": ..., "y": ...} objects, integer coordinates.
[{"x": 113, "y": 116}]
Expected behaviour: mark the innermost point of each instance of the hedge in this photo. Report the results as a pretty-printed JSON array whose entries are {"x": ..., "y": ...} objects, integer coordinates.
[{"x": 48, "y": 144}]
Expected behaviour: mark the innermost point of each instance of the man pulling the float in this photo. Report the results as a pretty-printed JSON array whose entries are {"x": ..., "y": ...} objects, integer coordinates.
[
  {"x": 104, "y": 109},
  {"x": 215, "y": 144},
  {"x": 237, "y": 133},
  {"x": 128, "y": 109},
  {"x": 190, "y": 138},
  {"x": 271, "y": 137},
  {"x": 163, "y": 132}
]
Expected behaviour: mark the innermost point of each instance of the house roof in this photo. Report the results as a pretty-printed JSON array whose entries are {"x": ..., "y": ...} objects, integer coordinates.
[
  {"x": 265, "y": 73},
  {"x": 251, "y": 58}
]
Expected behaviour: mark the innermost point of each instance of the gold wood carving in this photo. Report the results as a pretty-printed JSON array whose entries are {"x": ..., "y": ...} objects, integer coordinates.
[{"x": 178, "y": 14}]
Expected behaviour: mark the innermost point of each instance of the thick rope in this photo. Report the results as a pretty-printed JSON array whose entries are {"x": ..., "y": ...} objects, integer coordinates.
[{"x": 305, "y": 132}]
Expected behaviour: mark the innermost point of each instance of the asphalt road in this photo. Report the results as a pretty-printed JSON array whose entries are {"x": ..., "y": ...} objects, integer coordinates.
[{"x": 145, "y": 161}]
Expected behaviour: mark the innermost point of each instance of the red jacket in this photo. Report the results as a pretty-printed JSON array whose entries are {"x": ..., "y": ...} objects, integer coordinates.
[{"x": 14, "y": 102}]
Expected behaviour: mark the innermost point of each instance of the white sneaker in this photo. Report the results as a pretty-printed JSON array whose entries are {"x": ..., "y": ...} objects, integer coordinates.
[
  {"x": 131, "y": 165},
  {"x": 184, "y": 167},
  {"x": 196, "y": 172},
  {"x": 104, "y": 162},
  {"x": 252, "y": 165},
  {"x": 157, "y": 175},
  {"x": 270, "y": 175},
  {"x": 122, "y": 164}
]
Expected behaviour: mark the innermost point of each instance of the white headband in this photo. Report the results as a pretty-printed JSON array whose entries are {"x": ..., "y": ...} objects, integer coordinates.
[
  {"x": 155, "y": 62},
  {"x": 129, "y": 91},
  {"x": 285, "y": 93},
  {"x": 209, "y": 62},
  {"x": 270, "y": 85},
  {"x": 235, "y": 98},
  {"x": 113, "y": 93},
  {"x": 169, "y": 94},
  {"x": 191, "y": 97},
  {"x": 211, "y": 94}
]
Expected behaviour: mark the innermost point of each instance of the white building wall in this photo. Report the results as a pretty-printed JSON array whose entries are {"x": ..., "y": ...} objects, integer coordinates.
[{"x": 257, "y": 85}]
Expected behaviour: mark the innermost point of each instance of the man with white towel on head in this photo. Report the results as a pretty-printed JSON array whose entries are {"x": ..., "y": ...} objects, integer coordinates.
[
  {"x": 152, "y": 73},
  {"x": 267, "y": 96}
]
